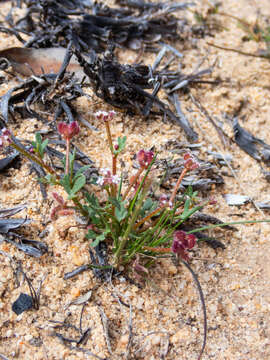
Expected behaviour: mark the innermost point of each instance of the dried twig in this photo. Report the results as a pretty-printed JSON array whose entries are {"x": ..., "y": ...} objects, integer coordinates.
[{"x": 105, "y": 325}]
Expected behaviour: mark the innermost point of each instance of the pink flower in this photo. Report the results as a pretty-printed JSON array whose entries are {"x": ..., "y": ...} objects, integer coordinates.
[
  {"x": 107, "y": 178},
  {"x": 5, "y": 137},
  {"x": 163, "y": 200},
  {"x": 183, "y": 242},
  {"x": 145, "y": 158},
  {"x": 68, "y": 130},
  {"x": 190, "y": 163},
  {"x": 104, "y": 115}
]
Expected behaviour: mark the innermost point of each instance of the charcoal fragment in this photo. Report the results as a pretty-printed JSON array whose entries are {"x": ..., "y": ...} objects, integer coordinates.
[{"x": 23, "y": 303}]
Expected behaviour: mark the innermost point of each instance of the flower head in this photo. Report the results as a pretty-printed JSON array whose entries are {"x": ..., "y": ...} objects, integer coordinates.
[
  {"x": 183, "y": 242},
  {"x": 163, "y": 200},
  {"x": 145, "y": 158},
  {"x": 5, "y": 137},
  {"x": 107, "y": 178},
  {"x": 68, "y": 130},
  {"x": 190, "y": 163},
  {"x": 104, "y": 115}
]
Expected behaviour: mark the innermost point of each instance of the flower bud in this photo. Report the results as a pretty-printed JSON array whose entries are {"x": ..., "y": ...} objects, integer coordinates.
[
  {"x": 68, "y": 130},
  {"x": 182, "y": 242},
  {"x": 145, "y": 158}
]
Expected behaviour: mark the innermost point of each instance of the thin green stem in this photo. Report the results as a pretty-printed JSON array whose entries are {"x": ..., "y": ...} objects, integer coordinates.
[
  {"x": 80, "y": 207},
  {"x": 35, "y": 159},
  {"x": 229, "y": 223},
  {"x": 153, "y": 213},
  {"x": 134, "y": 180},
  {"x": 130, "y": 226}
]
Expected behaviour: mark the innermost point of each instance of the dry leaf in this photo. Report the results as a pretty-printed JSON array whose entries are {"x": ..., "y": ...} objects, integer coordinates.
[{"x": 38, "y": 61}]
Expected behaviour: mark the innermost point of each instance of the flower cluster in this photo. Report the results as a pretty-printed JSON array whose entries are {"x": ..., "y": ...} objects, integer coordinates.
[
  {"x": 68, "y": 131},
  {"x": 107, "y": 178},
  {"x": 183, "y": 242},
  {"x": 190, "y": 163},
  {"x": 104, "y": 115},
  {"x": 145, "y": 158},
  {"x": 5, "y": 138},
  {"x": 163, "y": 200}
]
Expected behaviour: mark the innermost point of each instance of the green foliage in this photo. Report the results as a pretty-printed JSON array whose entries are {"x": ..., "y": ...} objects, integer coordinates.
[
  {"x": 121, "y": 142},
  {"x": 39, "y": 145}
]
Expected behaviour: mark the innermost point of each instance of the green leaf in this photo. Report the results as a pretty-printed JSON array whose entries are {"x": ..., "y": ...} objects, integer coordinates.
[
  {"x": 148, "y": 206},
  {"x": 121, "y": 213},
  {"x": 99, "y": 238},
  {"x": 49, "y": 179},
  {"x": 66, "y": 183},
  {"x": 91, "y": 234},
  {"x": 81, "y": 171},
  {"x": 115, "y": 202},
  {"x": 38, "y": 145},
  {"x": 71, "y": 161},
  {"x": 121, "y": 143},
  {"x": 78, "y": 185},
  {"x": 43, "y": 147},
  {"x": 92, "y": 200}
]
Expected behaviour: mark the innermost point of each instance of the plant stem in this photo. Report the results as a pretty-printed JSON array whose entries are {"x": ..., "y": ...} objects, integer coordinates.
[
  {"x": 183, "y": 173},
  {"x": 130, "y": 225},
  {"x": 265, "y": 56},
  {"x": 114, "y": 170},
  {"x": 157, "y": 249},
  {"x": 109, "y": 135},
  {"x": 80, "y": 207},
  {"x": 148, "y": 216},
  {"x": 34, "y": 158},
  {"x": 134, "y": 180},
  {"x": 228, "y": 223},
  {"x": 67, "y": 156}
]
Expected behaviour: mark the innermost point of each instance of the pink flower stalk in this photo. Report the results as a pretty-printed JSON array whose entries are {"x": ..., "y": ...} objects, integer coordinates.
[
  {"x": 104, "y": 115},
  {"x": 68, "y": 131},
  {"x": 190, "y": 163},
  {"x": 144, "y": 158},
  {"x": 182, "y": 242}
]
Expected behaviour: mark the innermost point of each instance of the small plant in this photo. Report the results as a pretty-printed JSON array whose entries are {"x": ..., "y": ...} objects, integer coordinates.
[
  {"x": 137, "y": 227},
  {"x": 129, "y": 219}
]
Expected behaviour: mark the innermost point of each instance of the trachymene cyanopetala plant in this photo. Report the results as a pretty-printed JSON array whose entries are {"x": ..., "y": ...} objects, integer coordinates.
[
  {"x": 129, "y": 219},
  {"x": 138, "y": 227}
]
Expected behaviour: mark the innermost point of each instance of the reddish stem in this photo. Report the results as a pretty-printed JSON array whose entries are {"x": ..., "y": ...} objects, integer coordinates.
[
  {"x": 149, "y": 216},
  {"x": 67, "y": 155},
  {"x": 183, "y": 173},
  {"x": 134, "y": 180}
]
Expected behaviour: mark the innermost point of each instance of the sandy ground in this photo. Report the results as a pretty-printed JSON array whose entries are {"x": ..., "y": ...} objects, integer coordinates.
[{"x": 166, "y": 314}]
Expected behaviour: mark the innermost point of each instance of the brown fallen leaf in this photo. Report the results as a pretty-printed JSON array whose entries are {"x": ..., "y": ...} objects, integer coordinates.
[{"x": 29, "y": 62}]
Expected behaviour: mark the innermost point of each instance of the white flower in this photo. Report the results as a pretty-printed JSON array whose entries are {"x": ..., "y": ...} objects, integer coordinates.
[
  {"x": 115, "y": 179},
  {"x": 105, "y": 171},
  {"x": 100, "y": 180}
]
